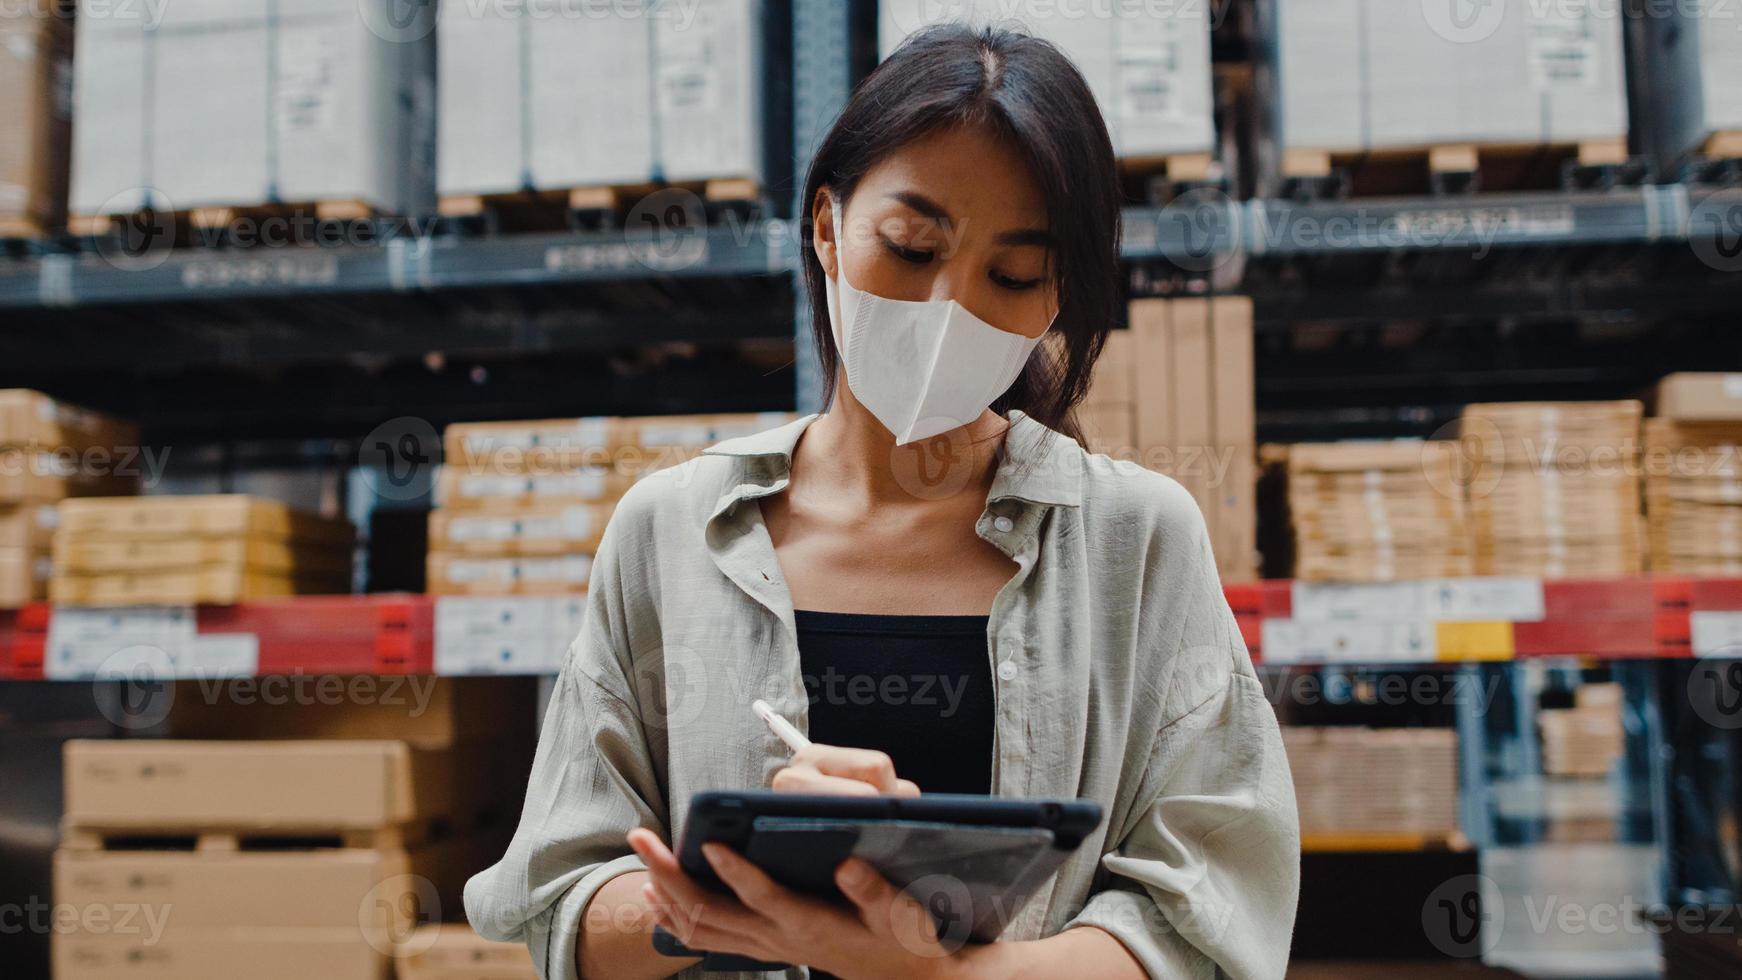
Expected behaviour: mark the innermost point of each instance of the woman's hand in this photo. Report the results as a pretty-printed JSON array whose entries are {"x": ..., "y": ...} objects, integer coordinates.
[
  {"x": 835, "y": 770},
  {"x": 884, "y": 933}
]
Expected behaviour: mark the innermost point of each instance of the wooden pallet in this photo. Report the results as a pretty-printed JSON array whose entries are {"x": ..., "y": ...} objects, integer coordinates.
[
  {"x": 1159, "y": 179},
  {"x": 231, "y": 839},
  {"x": 22, "y": 226},
  {"x": 1723, "y": 145},
  {"x": 205, "y": 224},
  {"x": 1454, "y": 168},
  {"x": 1349, "y": 843},
  {"x": 565, "y": 207}
]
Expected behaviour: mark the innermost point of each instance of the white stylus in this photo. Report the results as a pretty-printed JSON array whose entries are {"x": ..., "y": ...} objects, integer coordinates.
[{"x": 793, "y": 738}]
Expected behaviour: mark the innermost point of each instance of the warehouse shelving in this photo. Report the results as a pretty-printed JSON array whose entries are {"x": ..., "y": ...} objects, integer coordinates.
[{"x": 1465, "y": 621}]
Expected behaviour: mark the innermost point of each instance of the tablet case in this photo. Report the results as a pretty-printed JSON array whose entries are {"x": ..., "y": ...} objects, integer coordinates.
[{"x": 971, "y": 860}]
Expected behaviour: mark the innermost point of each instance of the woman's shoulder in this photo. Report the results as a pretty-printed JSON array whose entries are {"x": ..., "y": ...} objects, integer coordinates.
[
  {"x": 690, "y": 492},
  {"x": 1125, "y": 497}
]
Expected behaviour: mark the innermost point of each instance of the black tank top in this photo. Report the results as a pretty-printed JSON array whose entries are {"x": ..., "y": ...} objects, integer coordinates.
[{"x": 916, "y": 687}]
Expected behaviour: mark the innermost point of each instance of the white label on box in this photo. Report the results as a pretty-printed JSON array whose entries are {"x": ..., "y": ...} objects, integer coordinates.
[
  {"x": 570, "y": 569},
  {"x": 585, "y": 483},
  {"x": 1562, "y": 49},
  {"x": 507, "y": 635},
  {"x": 484, "y": 529},
  {"x": 588, "y": 433},
  {"x": 686, "y": 434},
  {"x": 88, "y": 642},
  {"x": 1291, "y": 641},
  {"x": 306, "y": 76},
  {"x": 1716, "y": 634},
  {"x": 1733, "y": 386},
  {"x": 221, "y": 655}
]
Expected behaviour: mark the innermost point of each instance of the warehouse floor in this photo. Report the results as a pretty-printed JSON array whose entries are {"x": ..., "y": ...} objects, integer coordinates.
[{"x": 1596, "y": 889}]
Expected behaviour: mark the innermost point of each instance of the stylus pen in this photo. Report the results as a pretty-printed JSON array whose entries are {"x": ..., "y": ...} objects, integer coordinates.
[{"x": 793, "y": 738}]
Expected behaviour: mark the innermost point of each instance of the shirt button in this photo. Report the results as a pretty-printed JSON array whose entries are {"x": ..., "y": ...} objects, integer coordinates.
[
  {"x": 1007, "y": 670},
  {"x": 1004, "y": 524}
]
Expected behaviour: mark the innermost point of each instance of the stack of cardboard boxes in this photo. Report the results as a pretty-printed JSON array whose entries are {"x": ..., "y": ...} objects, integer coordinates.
[
  {"x": 36, "y": 51},
  {"x": 224, "y": 103},
  {"x": 1586, "y": 739},
  {"x": 522, "y": 505},
  {"x": 1375, "y": 780},
  {"x": 1554, "y": 488},
  {"x": 312, "y": 856},
  {"x": 452, "y": 951},
  {"x": 553, "y": 96},
  {"x": 1174, "y": 392},
  {"x": 1148, "y": 65},
  {"x": 217, "y": 549},
  {"x": 1376, "y": 511},
  {"x": 50, "y": 451},
  {"x": 1693, "y": 475}
]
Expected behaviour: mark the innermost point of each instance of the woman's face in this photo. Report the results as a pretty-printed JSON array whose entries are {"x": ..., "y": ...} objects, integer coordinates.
[{"x": 953, "y": 215}]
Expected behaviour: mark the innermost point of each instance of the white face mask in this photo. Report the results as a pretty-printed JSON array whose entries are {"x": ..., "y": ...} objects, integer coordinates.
[{"x": 923, "y": 368}]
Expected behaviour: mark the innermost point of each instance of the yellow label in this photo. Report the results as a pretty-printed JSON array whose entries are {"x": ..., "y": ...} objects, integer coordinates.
[{"x": 1474, "y": 641}]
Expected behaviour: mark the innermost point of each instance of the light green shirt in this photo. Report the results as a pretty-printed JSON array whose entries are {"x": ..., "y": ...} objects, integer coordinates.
[{"x": 1118, "y": 670}]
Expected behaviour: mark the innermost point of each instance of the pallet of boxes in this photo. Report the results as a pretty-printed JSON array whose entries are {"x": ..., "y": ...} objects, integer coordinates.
[
  {"x": 50, "y": 451},
  {"x": 287, "y": 840},
  {"x": 1693, "y": 475},
  {"x": 521, "y": 506},
  {"x": 217, "y": 549},
  {"x": 36, "y": 51},
  {"x": 1376, "y": 511},
  {"x": 452, "y": 951},
  {"x": 1583, "y": 741},
  {"x": 1375, "y": 782},
  {"x": 1174, "y": 392},
  {"x": 1554, "y": 488}
]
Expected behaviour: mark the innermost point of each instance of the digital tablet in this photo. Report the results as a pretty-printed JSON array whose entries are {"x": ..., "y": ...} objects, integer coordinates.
[{"x": 972, "y": 860}]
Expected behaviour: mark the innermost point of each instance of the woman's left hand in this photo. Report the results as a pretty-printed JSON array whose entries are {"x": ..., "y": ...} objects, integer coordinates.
[{"x": 885, "y": 933}]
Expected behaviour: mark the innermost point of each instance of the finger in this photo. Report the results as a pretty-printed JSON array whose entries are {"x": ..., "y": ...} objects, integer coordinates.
[
  {"x": 687, "y": 899},
  {"x": 885, "y": 909},
  {"x": 865, "y": 765},
  {"x": 804, "y": 779},
  {"x": 906, "y": 787},
  {"x": 752, "y": 885}
]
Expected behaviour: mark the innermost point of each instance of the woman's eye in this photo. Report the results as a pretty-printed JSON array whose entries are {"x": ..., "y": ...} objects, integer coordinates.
[
  {"x": 905, "y": 254},
  {"x": 1014, "y": 284}
]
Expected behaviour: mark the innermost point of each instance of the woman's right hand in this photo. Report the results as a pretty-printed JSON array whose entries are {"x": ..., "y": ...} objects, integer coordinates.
[{"x": 835, "y": 770}]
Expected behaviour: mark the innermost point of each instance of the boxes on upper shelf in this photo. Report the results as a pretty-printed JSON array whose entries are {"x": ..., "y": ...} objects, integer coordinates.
[
  {"x": 1554, "y": 488},
  {"x": 1587, "y": 739},
  {"x": 321, "y": 101},
  {"x": 220, "y": 549},
  {"x": 36, "y": 51},
  {"x": 1693, "y": 495},
  {"x": 1148, "y": 65},
  {"x": 546, "y": 96},
  {"x": 1373, "y": 74},
  {"x": 1376, "y": 511},
  {"x": 1700, "y": 397}
]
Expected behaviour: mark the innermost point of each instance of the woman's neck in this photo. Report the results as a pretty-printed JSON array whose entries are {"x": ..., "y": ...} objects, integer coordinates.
[{"x": 850, "y": 449}]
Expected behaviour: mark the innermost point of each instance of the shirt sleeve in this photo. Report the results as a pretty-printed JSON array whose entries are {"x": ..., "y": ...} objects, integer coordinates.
[
  {"x": 1204, "y": 878},
  {"x": 593, "y": 780}
]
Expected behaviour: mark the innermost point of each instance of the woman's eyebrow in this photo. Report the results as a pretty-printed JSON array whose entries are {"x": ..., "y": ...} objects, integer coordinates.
[{"x": 932, "y": 209}]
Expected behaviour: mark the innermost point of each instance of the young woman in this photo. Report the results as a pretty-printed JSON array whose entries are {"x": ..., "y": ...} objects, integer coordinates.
[{"x": 935, "y": 579}]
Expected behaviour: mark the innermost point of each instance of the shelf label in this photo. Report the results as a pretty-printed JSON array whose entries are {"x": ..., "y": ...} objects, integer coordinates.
[
  {"x": 1449, "y": 600},
  {"x": 505, "y": 634},
  {"x": 1294, "y": 641},
  {"x": 85, "y": 643},
  {"x": 1716, "y": 635}
]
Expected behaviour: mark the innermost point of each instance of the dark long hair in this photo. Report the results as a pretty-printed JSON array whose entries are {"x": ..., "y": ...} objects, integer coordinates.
[{"x": 1028, "y": 92}]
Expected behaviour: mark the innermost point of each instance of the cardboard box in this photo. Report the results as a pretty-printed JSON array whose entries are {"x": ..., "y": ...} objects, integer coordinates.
[
  {"x": 1148, "y": 65},
  {"x": 263, "y": 953},
  {"x": 1115, "y": 381},
  {"x": 23, "y": 577},
  {"x": 317, "y": 104},
  {"x": 215, "y": 585},
  {"x": 1194, "y": 418},
  {"x": 535, "y": 446},
  {"x": 451, "y": 574},
  {"x": 1156, "y": 413},
  {"x": 540, "y": 529},
  {"x": 452, "y": 951},
  {"x": 1110, "y": 429},
  {"x": 1376, "y": 511},
  {"x": 1700, "y": 397},
  {"x": 92, "y": 555},
  {"x": 207, "y": 516},
  {"x": 36, "y": 51},
  {"x": 31, "y": 477},
  {"x": 279, "y": 785},
  {"x": 27, "y": 527},
  {"x": 1235, "y": 492},
  {"x": 32, "y": 420}
]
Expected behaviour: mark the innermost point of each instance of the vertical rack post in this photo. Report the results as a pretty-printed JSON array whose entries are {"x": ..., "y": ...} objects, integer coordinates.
[{"x": 821, "y": 79}]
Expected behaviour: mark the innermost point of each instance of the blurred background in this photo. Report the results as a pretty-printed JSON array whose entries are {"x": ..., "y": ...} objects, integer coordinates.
[{"x": 330, "y": 330}]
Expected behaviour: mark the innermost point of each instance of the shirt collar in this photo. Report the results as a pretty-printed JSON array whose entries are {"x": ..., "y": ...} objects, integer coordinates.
[{"x": 1038, "y": 465}]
